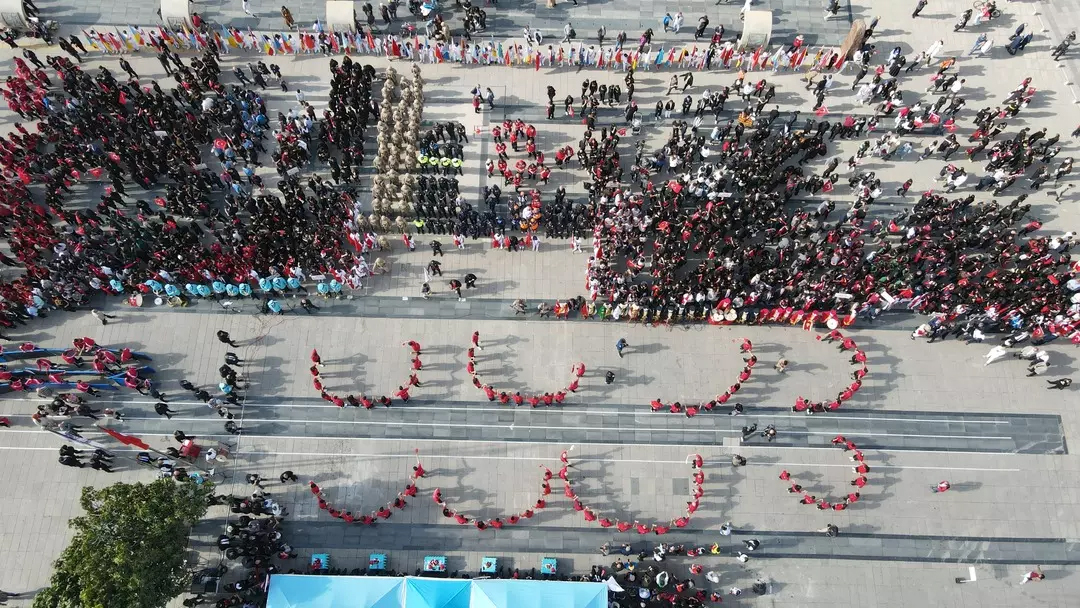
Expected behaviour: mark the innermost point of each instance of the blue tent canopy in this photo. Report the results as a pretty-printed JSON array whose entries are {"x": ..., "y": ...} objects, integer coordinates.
[
  {"x": 496, "y": 593},
  {"x": 307, "y": 591},
  {"x": 437, "y": 593},
  {"x": 302, "y": 591}
]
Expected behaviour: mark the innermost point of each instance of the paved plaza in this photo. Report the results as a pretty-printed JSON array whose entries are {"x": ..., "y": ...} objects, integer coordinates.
[{"x": 925, "y": 413}]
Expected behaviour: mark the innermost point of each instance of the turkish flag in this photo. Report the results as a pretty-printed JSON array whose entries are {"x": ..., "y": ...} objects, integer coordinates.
[{"x": 126, "y": 439}]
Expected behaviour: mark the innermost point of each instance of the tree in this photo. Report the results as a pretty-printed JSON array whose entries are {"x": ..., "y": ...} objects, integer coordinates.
[{"x": 128, "y": 548}]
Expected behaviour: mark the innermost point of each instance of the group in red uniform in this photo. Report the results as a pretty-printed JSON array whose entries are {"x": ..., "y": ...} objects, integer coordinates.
[
  {"x": 860, "y": 469},
  {"x": 363, "y": 400},
  {"x": 383, "y": 512},
  {"x": 517, "y": 398},
  {"x": 747, "y": 348},
  {"x": 858, "y": 358}
]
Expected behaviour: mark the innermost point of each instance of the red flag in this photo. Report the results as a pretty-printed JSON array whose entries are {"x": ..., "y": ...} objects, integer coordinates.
[{"x": 126, "y": 439}]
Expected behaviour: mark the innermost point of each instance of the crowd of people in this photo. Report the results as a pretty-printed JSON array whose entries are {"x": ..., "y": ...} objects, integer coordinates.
[
  {"x": 173, "y": 239},
  {"x": 719, "y": 233},
  {"x": 254, "y": 538}
]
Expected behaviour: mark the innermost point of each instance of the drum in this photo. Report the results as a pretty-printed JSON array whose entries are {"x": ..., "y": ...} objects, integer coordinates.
[
  {"x": 832, "y": 323},
  {"x": 136, "y": 300},
  {"x": 731, "y": 315}
]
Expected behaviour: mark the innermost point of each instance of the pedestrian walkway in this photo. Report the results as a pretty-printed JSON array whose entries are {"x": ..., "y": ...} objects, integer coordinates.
[
  {"x": 624, "y": 424},
  {"x": 551, "y": 540}
]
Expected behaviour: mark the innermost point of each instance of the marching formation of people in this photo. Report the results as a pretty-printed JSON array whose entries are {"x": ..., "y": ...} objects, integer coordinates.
[
  {"x": 67, "y": 385},
  {"x": 256, "y": 540}
]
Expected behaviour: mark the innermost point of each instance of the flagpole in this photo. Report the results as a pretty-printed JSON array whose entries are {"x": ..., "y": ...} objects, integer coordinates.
[
  {"x": 82, "y": 441},
  {"x": 193, "y": 461}
]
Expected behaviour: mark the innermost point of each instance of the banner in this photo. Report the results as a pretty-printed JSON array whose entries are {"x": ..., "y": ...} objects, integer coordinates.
[{"x": 425, "y": 49}]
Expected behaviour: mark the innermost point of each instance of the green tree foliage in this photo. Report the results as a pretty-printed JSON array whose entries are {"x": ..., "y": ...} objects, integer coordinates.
[{"x": 128, "y": 549}]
